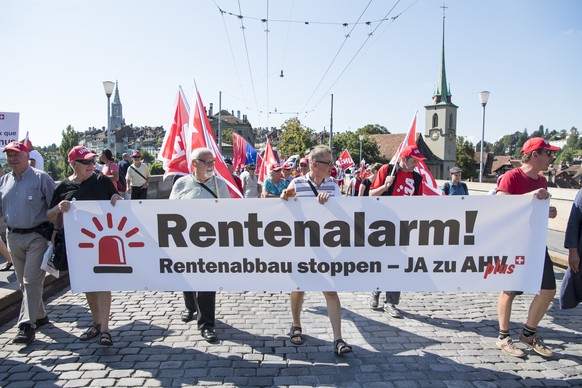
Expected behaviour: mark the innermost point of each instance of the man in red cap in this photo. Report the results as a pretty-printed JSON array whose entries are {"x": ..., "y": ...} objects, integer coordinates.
[
  {"x": 303, "y": 166},
  {"x": 536, "y": 157},
  {"x": 25, "y": 196},
  {"x": 399, "y": 180}
]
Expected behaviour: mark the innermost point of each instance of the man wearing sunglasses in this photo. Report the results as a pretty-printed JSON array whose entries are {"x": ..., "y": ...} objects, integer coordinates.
[
  {"x": 25, "y": 195},
  {"x": 528, "y": 180}
]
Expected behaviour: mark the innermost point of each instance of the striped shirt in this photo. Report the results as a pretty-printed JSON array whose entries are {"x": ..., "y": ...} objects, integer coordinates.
[{"x": 303, "y": 188}]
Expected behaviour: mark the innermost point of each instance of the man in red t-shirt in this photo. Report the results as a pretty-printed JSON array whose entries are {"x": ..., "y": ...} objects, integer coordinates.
[
  {"x": 399, "y": 180},
  {"x": 527, "y": 180}
]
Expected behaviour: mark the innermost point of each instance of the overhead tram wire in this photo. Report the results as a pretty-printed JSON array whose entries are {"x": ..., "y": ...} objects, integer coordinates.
[
  {"x": 336, "y": 55},
  {"x": 392, "y": 19},
  {"x": 242, "y": 26},
  {"x": 267, "y": 58},
  {"x": 232, "y": 54}
]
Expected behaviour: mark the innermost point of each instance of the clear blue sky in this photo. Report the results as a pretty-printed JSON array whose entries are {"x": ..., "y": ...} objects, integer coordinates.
[{"x": 56, "y": 53}]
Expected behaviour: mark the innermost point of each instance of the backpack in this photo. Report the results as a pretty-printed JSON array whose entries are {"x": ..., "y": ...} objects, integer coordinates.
[
  {"x": 447, "y": 187},
  {"x": 417, "y": 181}
]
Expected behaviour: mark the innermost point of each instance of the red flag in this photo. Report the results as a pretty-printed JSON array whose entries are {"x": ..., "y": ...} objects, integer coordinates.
[
  {"x": 174, "y": 153},
  {"x": 201, "y": 135},
  {"x": 345, "y": 160},
  {"x": 239, "y": 146},
  {"x": 430, "y": 186},
  {"x": 268, "y": 159},
  {"x": 362, "y": 168},
  {"x": 27, "y": 142}
]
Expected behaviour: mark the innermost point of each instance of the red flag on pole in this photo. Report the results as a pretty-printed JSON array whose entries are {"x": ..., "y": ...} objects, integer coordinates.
[
  {"x": 430, "y": 186},
  {"x": 174, "y": 153},
  {"x": 268, "y": 159},
  {"x": 201, "y": 135},
  {"x": 345, "y": 160}
]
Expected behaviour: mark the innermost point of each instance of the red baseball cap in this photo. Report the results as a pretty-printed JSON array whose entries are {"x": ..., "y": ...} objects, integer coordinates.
[
  {"x": 537, "y": 143},
  {"x": 275, "y": 167},
  {"x": 412, "y": 151},
  {"x": 136, "y": 154},
  {"x": 287, "y": 167},
  {"x": 16, "y": 146},
  {"x": 304, "y": 161},
  {"x": 80, "y": 153}
]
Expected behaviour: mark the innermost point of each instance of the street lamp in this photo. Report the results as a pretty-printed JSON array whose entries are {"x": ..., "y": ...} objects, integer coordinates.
[
  {"x": 483, "y": 97},
  {"x": 108, "y": 86},
  {"x": 361, "y": 137}
]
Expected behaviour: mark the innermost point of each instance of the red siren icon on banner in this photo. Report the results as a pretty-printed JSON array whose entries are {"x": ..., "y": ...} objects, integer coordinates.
[{"x": 111, "y": 247}]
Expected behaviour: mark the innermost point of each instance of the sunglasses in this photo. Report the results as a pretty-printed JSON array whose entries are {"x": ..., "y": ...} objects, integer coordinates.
[
  {"x": 208, "y": 163},
  {"x": 86, "y": 162}
]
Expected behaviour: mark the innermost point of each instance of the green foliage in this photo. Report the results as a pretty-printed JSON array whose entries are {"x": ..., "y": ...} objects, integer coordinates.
[
  {"x": 147, "y": 157},
  {"x": 351, "y": 142},
  {"x": 156, "y": 168},
  {"x": 295, "y": 139},
  {"x": 227, "y": 135},
  {"x": 465, "y": 158},
  {"x": 70, "y": 139},
  {"x": 373, "y": 129}
]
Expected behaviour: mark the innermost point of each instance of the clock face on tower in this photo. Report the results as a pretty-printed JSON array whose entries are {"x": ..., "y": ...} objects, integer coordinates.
[
  {"x": 451, "y": 135},
  {"x": 435, "y": 134}
]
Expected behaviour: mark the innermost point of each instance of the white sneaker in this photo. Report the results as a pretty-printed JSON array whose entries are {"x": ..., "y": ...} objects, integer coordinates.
[{"x": 508, "y": 346}]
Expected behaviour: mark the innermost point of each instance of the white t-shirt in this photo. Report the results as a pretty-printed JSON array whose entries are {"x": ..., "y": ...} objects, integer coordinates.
[
  {"x": 250, "y": 184},
  {"x": 34, "y": 154}
]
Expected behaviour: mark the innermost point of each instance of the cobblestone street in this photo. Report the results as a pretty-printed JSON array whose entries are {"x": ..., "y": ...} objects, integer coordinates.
[{"x": 444, "y": 340}]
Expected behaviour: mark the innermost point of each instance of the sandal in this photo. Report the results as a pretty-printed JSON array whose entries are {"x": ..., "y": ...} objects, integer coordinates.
[
  {"x": 341, "y": 347},
  {"x": 296, "y": 335},
  {"x": 90, "y": 333},
  {"x": 105, "y": 339}
]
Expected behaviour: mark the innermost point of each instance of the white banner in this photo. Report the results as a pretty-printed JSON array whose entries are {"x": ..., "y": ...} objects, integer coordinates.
[
  {"x": 474, "y": 243},
  {"x": 8, "y": 127}
]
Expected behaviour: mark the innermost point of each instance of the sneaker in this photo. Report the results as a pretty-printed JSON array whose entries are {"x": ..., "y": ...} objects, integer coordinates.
[
  {"x": 392, "y": 310},
  {"x": 508, "y": 346},
  {"x": 373, "y": 301},
  {"x": 537, "y": 344},
  {"x": 42, "y": 321},
  {"x": 25, "y": 334}
]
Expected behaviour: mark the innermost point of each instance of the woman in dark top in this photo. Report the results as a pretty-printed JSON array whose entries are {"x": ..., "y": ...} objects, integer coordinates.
[{"x": 85, "y": 185}]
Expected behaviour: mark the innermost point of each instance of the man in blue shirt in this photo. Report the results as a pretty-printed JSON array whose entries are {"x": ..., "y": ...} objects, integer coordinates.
[{"x": 455, "y": 186}]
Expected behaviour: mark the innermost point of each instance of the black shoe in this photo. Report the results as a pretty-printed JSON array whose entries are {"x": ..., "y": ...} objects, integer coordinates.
[
  {"x": 209, "y": 334},
  {"x": 42, "y": 321},
  {"x": 25, "y": 334},
  {"x": 6, "y": 267},
  {"x": 187, "y": 315}
]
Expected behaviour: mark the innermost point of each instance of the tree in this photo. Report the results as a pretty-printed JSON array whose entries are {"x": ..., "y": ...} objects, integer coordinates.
[
  {"x": 295, "y": 139},
  {"x": 373, "y": 129},
  {"x": 465, "y": 158},
  {"x": 70, "y": 139},
  {"x": 351, "y": 142},
  {"x": 227, "y": 135},
  {"x": 147, "y": 157},
  {"x": 156, "y": 168}
]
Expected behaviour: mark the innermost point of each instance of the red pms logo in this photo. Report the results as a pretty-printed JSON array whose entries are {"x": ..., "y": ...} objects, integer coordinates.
[{"x": 111, "y": 247}]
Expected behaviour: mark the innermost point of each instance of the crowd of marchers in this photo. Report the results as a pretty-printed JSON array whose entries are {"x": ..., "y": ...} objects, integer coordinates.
[{"x": 32, "y": 207}]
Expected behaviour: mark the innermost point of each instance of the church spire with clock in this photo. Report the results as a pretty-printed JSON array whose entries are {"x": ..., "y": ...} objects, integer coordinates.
[{"x": 441, "y": 121}]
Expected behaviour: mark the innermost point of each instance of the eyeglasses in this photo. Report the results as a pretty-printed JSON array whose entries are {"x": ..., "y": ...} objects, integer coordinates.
[
  {"x": 547, "y": 152},
  {"x": 330, "y": 163},
  {"x": 208, "y": 163},
  {"x": 85, "y": 162},
  {"x": 252, "y": 168}
]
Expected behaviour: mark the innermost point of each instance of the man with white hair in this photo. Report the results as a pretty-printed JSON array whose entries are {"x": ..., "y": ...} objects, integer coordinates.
[{"x": 202, "y": 183}]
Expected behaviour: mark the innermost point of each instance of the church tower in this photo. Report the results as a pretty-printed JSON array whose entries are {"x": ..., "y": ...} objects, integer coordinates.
[
  {"x": 441, "y": 121},
  {"x": 117, "y": 120}
]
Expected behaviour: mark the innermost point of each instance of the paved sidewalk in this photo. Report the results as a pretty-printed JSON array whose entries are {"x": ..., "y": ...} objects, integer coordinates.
[{"x": 444, "y": 340}]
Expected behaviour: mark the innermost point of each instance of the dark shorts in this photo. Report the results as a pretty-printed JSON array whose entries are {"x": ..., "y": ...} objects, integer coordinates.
[{"x": 548, "y": 277}]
